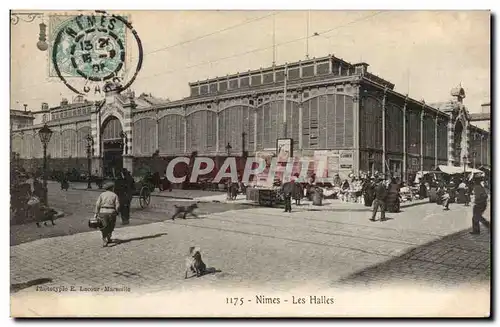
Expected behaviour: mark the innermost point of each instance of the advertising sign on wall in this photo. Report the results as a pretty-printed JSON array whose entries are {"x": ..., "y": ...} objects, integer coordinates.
[{"x": 284, "y": 149}]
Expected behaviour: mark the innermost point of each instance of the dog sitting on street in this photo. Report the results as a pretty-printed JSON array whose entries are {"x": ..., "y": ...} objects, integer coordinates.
[
  {"x": 185, "y": 211},
  {"x": 194, "y": 263}
]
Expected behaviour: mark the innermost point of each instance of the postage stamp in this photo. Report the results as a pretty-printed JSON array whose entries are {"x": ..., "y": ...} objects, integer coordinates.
[
  {"x": 87, "y": 51},
  {"x": 250, "y": 164}
]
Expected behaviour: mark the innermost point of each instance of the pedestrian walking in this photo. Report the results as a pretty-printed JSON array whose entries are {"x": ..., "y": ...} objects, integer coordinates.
[
  {"x": 445, "y": 197},
  {"x": 106, "y": 209},
  {"x": 125, "y": 189},
  {"x": 480, "y": 204},
  {"x": 380, "y": 200},
  {"x": 298, "y": 192},
  {"x": 287, "y": 189},
  {"x": 462, "y": 193}
]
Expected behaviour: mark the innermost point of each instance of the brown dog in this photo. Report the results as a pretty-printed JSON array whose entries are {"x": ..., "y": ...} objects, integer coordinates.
[
  {"x": 185, "y": 211},
  {"x": 194, "y": 263}
]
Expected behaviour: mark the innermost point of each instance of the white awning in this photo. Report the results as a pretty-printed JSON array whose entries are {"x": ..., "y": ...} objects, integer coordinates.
[{"x": 451, "y": 170}]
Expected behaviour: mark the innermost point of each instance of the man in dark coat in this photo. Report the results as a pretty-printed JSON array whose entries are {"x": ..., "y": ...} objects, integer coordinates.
[
  {"x": 298, "y": 192},
  {"x": 480, "y": 203},
  {"x": 380, "y": 200},
  {"x": 287, "y": 190},
  {"x": 368, "y": 191},
  {"x": 124, "y": 188}
]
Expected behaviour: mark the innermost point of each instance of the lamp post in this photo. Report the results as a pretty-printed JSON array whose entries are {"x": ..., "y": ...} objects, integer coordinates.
[
  {"x": 90, "y": 143},
  {"x": 228, "y": 149},
  {"x": 371, "y": 163},
  {"x": 45, "y": 133},
  {"x": 474, "y": 159},
  {"x": 464, "y": 158}
]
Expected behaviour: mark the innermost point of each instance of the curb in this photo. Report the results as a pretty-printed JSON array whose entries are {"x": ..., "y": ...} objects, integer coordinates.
[
  {"x": 153, "y": 195},
  {"x": 364, "y": 209},
  {"x": 318, "y": 208}
]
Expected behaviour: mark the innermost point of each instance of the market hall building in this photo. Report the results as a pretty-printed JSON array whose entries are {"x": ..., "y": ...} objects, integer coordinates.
[{"x": 334, "y": 109}]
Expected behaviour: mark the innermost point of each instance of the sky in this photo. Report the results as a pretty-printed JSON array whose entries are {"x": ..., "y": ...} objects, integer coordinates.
[{"x": 424, "y": 53}]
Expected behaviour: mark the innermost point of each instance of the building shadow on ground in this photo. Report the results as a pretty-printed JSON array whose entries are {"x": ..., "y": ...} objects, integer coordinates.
[
  {"x": 451, "y": 260},
  {"x": 119, "y": 241}
]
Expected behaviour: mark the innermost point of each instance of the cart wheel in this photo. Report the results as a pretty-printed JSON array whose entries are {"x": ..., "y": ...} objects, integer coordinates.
[{"x": 144, "y": 197}]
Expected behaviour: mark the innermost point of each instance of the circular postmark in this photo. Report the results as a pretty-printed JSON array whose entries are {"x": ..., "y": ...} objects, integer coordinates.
[{"x": 91, "y": 51}]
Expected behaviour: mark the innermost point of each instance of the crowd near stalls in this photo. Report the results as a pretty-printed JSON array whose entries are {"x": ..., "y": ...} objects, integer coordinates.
[{"x": 453, "y": 181}]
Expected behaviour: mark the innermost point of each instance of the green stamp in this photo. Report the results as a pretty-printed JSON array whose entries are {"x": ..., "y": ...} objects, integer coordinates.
[
  {"x": 88, "y": 53},
  {"x": 92, "y": 47}
]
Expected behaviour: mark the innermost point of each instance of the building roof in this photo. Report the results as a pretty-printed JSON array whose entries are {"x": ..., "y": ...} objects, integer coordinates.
[
  {"x": 480, "y": 116},
  {"x": 21, "y": 113},
  {"x": 447, "y": 106}
]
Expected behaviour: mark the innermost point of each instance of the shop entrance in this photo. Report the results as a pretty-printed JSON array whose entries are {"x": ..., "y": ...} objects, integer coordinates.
[{"x": 112, "y": 147}]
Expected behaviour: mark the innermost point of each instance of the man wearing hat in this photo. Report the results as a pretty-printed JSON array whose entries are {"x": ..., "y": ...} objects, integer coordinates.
[
  {"x": 288, "y": 189},
  {"x": 380, "y": 199},
  {"x": 124, "y": 187},
  {"x": 480, "y": 203},
  {"x": 107, "y": 208}
]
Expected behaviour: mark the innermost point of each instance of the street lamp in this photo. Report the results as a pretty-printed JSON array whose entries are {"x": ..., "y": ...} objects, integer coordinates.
[
  {"x": 464, "y": 159},
  {"x": 228, "y": 149},
  {"x": 243, "y": 140},
  {"x": 45, "y": 134},
  {"x": 90, "y": 143},
  {"x": 371, "y": 164}
]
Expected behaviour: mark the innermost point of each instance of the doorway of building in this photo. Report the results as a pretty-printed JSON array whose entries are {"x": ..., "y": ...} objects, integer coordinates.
[{"x": 112, "y": 147}]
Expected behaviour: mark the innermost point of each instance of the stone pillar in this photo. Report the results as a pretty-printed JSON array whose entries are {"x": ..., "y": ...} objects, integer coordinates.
[
  {"x": 450, "y": 144},
  {"x": 300, "y": 124},
  {"x": 217, "y": 132},
  {"x": 185, "y": 132},
  {"x": 356, "y": 117},
  {"x": 465, "y": 143},
  {"x": 482, "y": 161},
  {"x": 405, "y": 159},
  {"x": 436, "y": 141},
  {"x": 383, "y": 133},
  {"x": 422, "y": 114},
  {"x": 157, "y": 137},
  {"x": 255, "y": 129}
]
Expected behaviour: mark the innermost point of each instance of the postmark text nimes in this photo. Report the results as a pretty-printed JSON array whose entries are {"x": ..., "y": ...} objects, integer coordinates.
[{"x": 89, "y": 52}]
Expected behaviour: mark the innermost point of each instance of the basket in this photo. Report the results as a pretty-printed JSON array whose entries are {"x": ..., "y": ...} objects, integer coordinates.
[{"x": 95, "y": 223}]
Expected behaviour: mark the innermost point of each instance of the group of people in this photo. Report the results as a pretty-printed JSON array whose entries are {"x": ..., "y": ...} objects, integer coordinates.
[{"x": 114, "y": 201}]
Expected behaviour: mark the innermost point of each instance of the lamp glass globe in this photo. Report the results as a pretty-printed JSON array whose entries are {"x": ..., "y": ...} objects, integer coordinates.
[{"x": 42, "y": 45}]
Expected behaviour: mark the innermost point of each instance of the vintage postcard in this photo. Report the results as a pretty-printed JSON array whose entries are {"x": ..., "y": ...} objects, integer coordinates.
[{"x": 250, "y": 163}]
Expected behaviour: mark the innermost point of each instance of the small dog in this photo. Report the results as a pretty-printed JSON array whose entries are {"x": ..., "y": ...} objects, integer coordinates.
[
  {"x": 194, "y": 263},
  {"x": 185, "y": 211},
  {"x": 233, "y": 191},
  {"x": 46, "y": 214}
]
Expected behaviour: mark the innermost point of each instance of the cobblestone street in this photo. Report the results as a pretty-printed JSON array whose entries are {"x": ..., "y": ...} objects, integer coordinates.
[
  {"x": 262, "y": 246},
  {"x": 79, "y": 205}
]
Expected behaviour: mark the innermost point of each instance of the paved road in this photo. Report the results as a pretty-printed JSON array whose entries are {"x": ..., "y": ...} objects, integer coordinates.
[
  {"x": 78, "y": 206},
  {"x": 259, "y": 246}
]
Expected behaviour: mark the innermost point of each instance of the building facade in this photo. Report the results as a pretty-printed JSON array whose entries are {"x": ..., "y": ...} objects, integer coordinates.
[{"x": 327, "y": 106}]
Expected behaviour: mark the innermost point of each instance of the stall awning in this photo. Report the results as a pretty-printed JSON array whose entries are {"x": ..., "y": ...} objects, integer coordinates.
[{"x": 451, "y": 170}]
